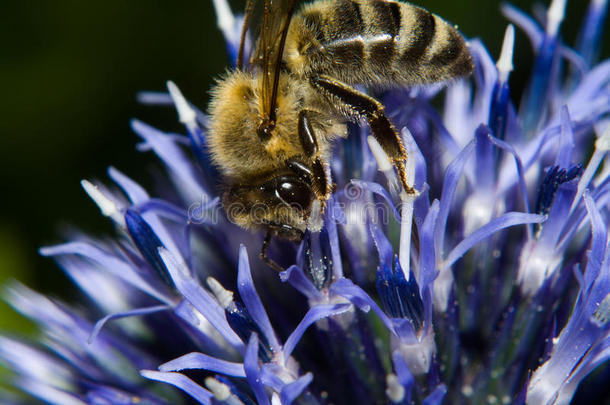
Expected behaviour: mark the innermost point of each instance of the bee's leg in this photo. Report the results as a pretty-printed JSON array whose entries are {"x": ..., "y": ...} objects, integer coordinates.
[
  {"x": 307, "y": 134},
  {"x": 322, "y": 185},
  {"x": 272, "y": 227},
  {"x": 263, "y": 254},
  {"x": 357, "y": 105}
]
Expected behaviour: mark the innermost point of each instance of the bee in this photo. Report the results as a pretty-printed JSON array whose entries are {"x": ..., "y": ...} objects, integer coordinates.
[{"x": 274, "y": 118}]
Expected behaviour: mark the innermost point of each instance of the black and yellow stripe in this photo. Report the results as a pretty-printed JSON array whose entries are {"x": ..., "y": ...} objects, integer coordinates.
[{"x": 377, "y": 42}]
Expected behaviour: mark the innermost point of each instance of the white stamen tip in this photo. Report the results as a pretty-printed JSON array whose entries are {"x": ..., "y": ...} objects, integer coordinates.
[
  {"x": 223, "y": 296},
  {"x": 603, "y": 143},
  {"x": 383, "y": 161},
  {"x": 505, "y": 62},
  {"x": 601, "y": 316},
  {"x": 221, "y": 391},
  {"x": 554, "y": 16},
  {"x": 224, "y": 17},
  {"x": 185, "y": 113},
  {"x": 106, "y": 205},
  {"x": 395, "y": 391},
  {"x": 315, "y": 221}
]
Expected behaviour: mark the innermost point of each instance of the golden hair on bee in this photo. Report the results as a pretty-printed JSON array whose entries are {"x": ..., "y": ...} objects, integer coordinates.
[{"x": 273, "y": 121}]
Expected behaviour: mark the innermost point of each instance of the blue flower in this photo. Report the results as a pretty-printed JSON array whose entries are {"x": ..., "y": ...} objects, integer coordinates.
[
  {"x": 583, "y": 343},
  {"x": 470, "y": 291}
]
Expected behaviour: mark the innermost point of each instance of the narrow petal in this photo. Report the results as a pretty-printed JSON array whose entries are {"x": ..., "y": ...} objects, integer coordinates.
[
  {"x": 452, "y": 177},
  {"x": 183, "y": 382},
  {"x": 566, "y": 140},
  {"x": 313, "y": 315},
  {"x": 427, "y": 256},
  {"x": 49, "y": 394},
  {"x": 203, "y": 361},
  {"x": 357, "y": 296},
  {"x": 587, "y": 332},
  {"x": 334, "y": 215},
  {"x": 174, "y": 158},
  {"x": 252, "y": 301},
  {"x": 138, "y": 196},
  {"x": 165, "y": 209},
  {"x": 270, "y": 376},
  {"x": 486, "y": 76},
  {"x": 599, "y": 242},
  {"x": 507, "y": 220},
  {"x": 520, "y": 172},
  {"x": 589, "y": 88},
  {"x": 456, "y": 118},
  {"x": 568, "y": 389},
  {"x": 253, "y": 374},
  {"x": 536, "y": 100},
  {"x": 147, "y": 243},
  {"x": 525, "y": 22},
  {"x": 295, "y": 277},
  {"x": 292, "y": 391},
  {"x": 379, "y": 190},
  {"x": 437, "y": 396},
  {"x": 109, "y": 262},
  {"x": 200, "y": 299},
  {"x": 99, "y": 394},
  {"x": 34, "y": 364},
  {"x": 602, "y": 145},
  {"x": 404, "y": 375},
  {"x": 592, "y": 28},
  {"x": 154, "y": 98},
  {"x": 383, "y": 245},
  {"x": 484, "y": 158},
  {"x": 207, "y": 335},
  {"x": 134, "y": 312},
  {"x": 134, "y": 191}
]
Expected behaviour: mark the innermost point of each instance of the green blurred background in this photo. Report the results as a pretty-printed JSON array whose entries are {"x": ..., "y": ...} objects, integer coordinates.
[{"x": 70, "y": 71}]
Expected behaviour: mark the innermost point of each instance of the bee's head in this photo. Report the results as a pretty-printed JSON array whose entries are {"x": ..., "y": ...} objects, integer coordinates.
[{"x": 281, "y": 204}]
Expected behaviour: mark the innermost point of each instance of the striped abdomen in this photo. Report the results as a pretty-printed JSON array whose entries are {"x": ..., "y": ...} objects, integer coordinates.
[{"x": 375, "y": 42}]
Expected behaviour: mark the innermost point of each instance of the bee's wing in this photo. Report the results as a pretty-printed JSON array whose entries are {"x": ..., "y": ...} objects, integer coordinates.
[{"x": 268, "y": 53}]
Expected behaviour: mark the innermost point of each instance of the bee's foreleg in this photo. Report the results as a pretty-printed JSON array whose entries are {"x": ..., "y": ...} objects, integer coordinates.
[
  {"x": 307, "y": 135},
  {"x": 357, "y": 105},
  {"x": 320, "y": 181}
]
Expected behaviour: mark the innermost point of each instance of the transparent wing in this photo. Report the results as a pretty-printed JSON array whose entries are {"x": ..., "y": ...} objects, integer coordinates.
[{"x": 267, "y": 56}]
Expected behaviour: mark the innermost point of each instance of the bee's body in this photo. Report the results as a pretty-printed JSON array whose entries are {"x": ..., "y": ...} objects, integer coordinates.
[
  {"x": 272, "y": 153},
  {"x": 374, "y": 42}
]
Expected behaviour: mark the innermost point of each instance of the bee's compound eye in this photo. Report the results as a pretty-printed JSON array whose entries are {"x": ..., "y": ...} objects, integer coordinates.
[{"x": 295, "y": 193}]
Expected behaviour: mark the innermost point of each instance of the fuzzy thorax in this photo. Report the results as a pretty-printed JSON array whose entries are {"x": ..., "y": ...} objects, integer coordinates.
[{"x": 236, "y": 111}]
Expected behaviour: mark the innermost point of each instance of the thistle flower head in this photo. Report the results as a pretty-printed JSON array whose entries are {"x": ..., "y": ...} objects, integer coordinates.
[{"x": 490, "y": 284}]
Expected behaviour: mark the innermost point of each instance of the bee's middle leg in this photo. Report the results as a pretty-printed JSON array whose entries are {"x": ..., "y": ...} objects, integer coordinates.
[{"x": 358, "y": 105}]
